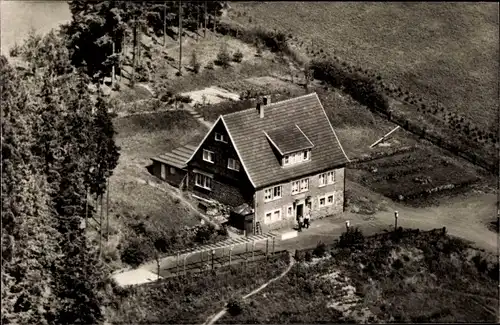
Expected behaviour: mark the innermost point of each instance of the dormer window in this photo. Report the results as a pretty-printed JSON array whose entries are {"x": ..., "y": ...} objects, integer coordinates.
[
  {"x": 297, "y": 157},
  {"x": 220, "y": 137}
]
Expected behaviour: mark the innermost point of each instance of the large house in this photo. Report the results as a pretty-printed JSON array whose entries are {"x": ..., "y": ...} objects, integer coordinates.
[{"x": 282, "y": 159}]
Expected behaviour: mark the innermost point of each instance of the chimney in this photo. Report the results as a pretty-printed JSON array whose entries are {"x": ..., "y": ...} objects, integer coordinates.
[{"x": 260, "y": 109}]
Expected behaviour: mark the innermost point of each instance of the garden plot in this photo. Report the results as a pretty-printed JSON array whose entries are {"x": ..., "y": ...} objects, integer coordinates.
[{"x": 415, "y": 174}]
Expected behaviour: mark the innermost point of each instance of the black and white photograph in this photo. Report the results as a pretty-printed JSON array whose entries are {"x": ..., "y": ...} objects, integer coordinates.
[{"x": 249, "y": 162}]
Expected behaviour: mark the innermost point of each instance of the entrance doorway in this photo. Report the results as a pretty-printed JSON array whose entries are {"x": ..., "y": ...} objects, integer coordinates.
[{"x": 300, "y": 210}]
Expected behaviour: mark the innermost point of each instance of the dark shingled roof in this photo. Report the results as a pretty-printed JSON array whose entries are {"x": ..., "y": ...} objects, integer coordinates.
[
  {"x": 289, "y": 139},
  {"x": 178, "y": 157},
  {"x": 253, "y": 147}
]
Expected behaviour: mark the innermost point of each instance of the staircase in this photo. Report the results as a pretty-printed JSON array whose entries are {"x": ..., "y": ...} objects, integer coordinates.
[{"x": 257, "y": 230}]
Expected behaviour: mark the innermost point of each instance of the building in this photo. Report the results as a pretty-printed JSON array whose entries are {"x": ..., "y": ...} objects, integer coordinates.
[
  {"x": 283, "y": 159},
  {"x": 172, "y": 166}
]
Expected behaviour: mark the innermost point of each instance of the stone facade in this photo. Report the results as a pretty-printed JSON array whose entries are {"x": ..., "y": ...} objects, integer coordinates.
[{"x": 289, "y": 203}]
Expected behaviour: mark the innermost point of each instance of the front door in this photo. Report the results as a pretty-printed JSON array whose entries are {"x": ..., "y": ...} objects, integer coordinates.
[{"x": 300, "y": 210}]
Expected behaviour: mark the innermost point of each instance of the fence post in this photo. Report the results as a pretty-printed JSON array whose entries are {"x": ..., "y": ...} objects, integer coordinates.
[
  {"x": 213, "y": 254},
  {"x": 395, "y": 220}
]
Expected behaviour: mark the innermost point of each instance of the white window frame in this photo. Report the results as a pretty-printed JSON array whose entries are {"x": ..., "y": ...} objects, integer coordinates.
[
  {"x": 233, "y": 164},
  {"x": 296, "y": 157},
  {"x": 220, "y": 137},
  {"x": 270, "y": 193},
  {"x": 209, "y": 155},
  {"x": 172, "y": 171},
  {"x": 200, "y": 180},
  {"x": 297, "y": 186},
  {"x": 325, "y": 197},
  {"x": 333, "y": 198},
  {"x": 327, "y": 178},
  {"x": 163, "y": 171},
  {"x": 269, "y": 216},
  {"x": 289, "y": 211}
]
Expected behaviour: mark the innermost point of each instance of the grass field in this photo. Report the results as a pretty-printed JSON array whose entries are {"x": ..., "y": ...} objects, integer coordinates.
[
  {"x": 446, "y": 52},
  {"x": 425, "y": 277}
]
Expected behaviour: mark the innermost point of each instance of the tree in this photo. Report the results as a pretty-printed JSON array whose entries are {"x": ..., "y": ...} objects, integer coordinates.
[{"x": 29, "y": 239}]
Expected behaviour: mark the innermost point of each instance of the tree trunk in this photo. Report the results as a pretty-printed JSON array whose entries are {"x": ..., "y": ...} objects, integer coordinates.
[
  {"x": 205, "y": 22},
  {"x": 134, "y": 44},
  {"x": 165, "y": 24},
  {"x": 197, "y": 22},
  {"x": 215, "y": 20},
  {"x": 180, "y": 36},
  {"x": 113, "y": 69}
]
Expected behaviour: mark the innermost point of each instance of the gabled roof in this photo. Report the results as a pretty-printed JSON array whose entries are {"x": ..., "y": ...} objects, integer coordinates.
[
  {"x": 247, "y": 132},
  {"x": 177, "y": 157},
  {"x": 288, "y": 139}
]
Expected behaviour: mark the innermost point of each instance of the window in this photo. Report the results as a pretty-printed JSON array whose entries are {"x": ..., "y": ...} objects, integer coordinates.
[
  {"x": 322, "y": 179},
  {"x": 296, "y": 157},
  {"x": 220, "y": 137},
  {"x": 203, "y": 181},
  {"x": 163, "y": 171},
  {"x": 277, "y": 215},
  {"x": 208, "y": 156},
  {"x": 300, "y": 186},
  {"x": 326, "y": 200},
  {"x": 331, "y": 177},
  {"x": 272, "y": 193},
  {"x": 289, "y": 211},
  {"x": 172, "y": 170},
  {"x": 273, "y": 216},
  {"x": 304, "y": 185},
  {"x": 326, "y": 178},
  {"x": 233, "y": 164}
]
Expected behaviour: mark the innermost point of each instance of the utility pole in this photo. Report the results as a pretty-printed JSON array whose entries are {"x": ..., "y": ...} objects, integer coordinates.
[{"x": 180, "y": 36}]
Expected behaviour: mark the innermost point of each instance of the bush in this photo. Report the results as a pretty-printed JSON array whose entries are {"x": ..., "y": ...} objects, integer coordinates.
[
  {"x": 238, "y": 56},
  {"x": 223, "y": 58},
  {"x": 209, "y": 66},
  {"x": 235, "y": 307},
  {"x": 308, "y": 256},
  {"x": 351, "y": 237},
  {"x": 299, "y": 256},
  {"x": 320, "y": 250},
  {"x": 136, "y": 252}
]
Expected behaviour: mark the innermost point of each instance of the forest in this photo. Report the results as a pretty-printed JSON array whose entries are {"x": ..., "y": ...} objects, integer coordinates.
[{"x": 58, "y": 150}]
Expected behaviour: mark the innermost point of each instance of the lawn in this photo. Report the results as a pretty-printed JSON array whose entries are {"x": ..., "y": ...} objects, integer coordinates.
[
  {"x": 415, "y": 277},
  {"x": 141, "y": 137},
  {"x": 446, "y": 52},
  {"x": 131, "y": 198}
]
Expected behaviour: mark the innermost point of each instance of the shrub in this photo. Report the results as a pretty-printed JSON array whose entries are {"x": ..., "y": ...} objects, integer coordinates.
[
  {"x": 223, "y": 57},
  {"x": 308, "y": 256},
  {"x": 136, "y": 252},
  {"x": 353, "y": 236},
  {"x": 238, "y": 56},
  {"x": 235, "y": 307},
  {"x": 15, "y": 50},
  {"x": 319, "y": 250},
  {"x": 299, "y": 256},
  {"x": 209, "y": 66}
]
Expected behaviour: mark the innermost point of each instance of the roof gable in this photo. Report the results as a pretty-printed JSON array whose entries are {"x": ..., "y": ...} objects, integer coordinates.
[
  {"x": 220, "y": 120},
  {"x": 305, "y": 113}
]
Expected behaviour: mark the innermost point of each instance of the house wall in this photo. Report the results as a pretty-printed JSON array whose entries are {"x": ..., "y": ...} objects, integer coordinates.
[
  {"x": 288, "y": 199},
  {"x": 228, "y": 186},
  {"x": 173, "y": 179}
]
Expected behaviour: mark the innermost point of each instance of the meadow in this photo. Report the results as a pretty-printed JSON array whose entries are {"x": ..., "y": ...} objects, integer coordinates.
[{"x": 444, "y": 52}]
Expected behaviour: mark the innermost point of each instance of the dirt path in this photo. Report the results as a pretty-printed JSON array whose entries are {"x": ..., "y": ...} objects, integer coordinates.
[{"x": 212, "y": 319}]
